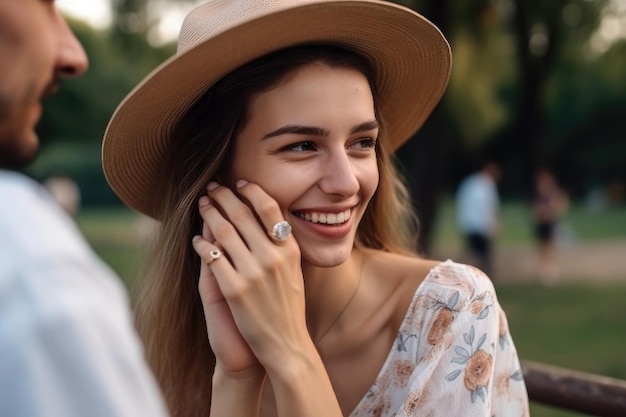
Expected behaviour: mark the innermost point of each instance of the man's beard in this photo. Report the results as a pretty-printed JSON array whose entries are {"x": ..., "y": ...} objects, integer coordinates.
[
  {"x": 15, "y": 152},
  {"x": 10, "y": 159}
]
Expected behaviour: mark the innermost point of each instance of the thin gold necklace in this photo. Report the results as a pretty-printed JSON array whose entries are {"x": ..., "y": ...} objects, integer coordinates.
[{"x": 345, "y": 307}]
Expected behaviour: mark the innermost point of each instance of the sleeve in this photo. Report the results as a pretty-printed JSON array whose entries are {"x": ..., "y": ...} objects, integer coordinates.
[
  {"x": 467, "y": 365},
  {"x": 68, "y": 347},
  {"x": 74, "y": 362}
]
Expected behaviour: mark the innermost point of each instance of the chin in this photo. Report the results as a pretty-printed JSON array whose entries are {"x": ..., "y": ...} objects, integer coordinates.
[
  {"x": 16, "y": 158},
  {"x": 31, "y": 150},
  {"x": 326, "y": 258}
]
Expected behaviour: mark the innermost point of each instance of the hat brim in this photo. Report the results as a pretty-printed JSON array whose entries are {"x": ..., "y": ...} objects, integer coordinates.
[{"x": 410, "y": 56}]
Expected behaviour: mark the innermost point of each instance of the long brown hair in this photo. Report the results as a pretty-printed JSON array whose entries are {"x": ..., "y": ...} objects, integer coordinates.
[{"x": 169, "y": 311}]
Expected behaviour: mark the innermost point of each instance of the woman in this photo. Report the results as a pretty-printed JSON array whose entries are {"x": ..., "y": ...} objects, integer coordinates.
[
  {"x": 548, "y": 206},
  {"x": 284, "y": 280}
]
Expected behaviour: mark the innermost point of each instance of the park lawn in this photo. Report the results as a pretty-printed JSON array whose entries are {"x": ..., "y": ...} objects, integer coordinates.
[
  {"x": 574, "y": 326},
  {"x": 577, "y": 326},
  {"x": 579, "y": 223},
  {"x": 112, "y": 233}
]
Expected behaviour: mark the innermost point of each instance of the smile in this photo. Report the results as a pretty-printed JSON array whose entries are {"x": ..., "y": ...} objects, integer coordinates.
[{"x": 325, "y": 218}]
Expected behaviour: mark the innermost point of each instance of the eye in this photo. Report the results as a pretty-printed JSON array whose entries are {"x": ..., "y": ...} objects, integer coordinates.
[
  {"x": 364, "y": 144},
  {"x": 306, "y": 146}
]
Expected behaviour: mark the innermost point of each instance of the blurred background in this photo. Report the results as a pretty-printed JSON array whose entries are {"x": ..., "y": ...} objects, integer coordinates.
[{"x": 535, "y": 83}]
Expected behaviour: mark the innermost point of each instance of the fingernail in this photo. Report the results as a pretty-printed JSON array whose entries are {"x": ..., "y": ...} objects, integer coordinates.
[
  {"x": 212, "y": 186},
  {"x": 241, "y": 183},
  {"x": 196, "y": 237}
]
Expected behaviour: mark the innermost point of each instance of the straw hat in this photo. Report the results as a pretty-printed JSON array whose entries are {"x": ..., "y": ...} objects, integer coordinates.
[{"x": 410, "y": 57}]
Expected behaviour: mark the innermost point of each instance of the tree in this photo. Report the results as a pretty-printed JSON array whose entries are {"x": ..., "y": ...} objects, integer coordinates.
[
  {"x": 542, "y": 29},
  {"x": 421, "y": 157}
]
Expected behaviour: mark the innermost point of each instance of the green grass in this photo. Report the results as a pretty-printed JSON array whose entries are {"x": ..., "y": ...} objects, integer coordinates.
[
  {"x": 113, "y": 235},
  {"x": 579, "y": 327},
  {"x": 607, "y": 224},
  {"x": 516, "y": 226},
  {"x": 574, "y": 326},
  {"x": 562, "y": 325},
  {"x": 540, "y": 410}
]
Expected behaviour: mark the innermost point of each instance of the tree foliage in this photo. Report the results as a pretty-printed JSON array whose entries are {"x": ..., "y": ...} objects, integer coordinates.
[
  {"x": 75, "y": 118},
  {"x": 534, "y": 82},
  {"x": 529, "y": 77}
]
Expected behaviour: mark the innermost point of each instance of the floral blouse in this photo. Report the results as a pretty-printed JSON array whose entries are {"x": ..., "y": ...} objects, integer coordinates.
[{"x": 453, "y": 355}]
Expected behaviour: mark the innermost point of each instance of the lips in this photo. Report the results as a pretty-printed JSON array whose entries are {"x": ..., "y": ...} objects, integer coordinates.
[
  {"x": 329, "y": 218},
  {"x": 51, "y": 88}
]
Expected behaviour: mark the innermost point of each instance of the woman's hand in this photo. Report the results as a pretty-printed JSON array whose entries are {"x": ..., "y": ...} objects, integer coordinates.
[
  {"x": 232, "y": 352},
  {"x": 258, "y": 281},
  {"x": 256, "y": 294},
  {"x": 238, "y": 376}
]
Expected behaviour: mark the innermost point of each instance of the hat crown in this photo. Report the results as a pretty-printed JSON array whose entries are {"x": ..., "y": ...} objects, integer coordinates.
[{"x": 217, "y": 16}]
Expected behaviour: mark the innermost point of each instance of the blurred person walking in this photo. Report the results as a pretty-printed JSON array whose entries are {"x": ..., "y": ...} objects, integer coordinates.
[
  {"x": 67, "y": 344},
  {"x": 549, "y": 204},
  {"x": 478, "y": 205}
]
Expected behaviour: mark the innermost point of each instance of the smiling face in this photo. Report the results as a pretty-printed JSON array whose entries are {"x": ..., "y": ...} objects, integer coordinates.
[
  {"x": 310, "y": 143},
  {"x": 36, "y": 47}
]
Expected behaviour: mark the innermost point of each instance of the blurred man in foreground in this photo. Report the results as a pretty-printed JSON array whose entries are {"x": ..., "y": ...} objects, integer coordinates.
[{"x": 67, "y": 344}]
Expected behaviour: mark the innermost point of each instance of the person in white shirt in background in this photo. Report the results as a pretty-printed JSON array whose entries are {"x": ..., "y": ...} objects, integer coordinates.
[
  {"x": 68, "y": 347},
  {"x": 478, "y": 205}
]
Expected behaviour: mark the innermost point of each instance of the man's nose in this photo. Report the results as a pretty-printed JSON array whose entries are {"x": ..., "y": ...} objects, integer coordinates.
[{"x": 72, "y": 60}]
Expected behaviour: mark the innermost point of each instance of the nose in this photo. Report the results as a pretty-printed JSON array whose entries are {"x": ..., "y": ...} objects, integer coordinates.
[
  {"x": 339, "y": 175},
  {"x": 72, "y": 60}
]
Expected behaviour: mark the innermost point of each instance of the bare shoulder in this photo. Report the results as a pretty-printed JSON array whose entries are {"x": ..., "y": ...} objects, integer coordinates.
[
  {"x": 400, "y": 270},
  {"x": 397, "y": 277}
]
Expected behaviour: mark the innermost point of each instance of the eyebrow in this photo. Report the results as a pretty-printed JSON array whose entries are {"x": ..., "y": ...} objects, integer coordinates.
[{"x": 318, "y": 131}]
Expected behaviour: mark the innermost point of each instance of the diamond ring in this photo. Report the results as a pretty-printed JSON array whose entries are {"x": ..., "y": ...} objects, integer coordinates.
[{"x": 280, "y": 232}]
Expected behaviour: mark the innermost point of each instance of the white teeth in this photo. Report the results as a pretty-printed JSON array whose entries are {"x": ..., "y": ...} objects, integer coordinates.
[{"x": 326, "y": 218}]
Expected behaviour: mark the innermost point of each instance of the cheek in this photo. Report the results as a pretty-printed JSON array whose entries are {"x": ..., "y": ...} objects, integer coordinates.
[
  {"x": 285, "y": 183},
  {"x": 369, "y": 181}
]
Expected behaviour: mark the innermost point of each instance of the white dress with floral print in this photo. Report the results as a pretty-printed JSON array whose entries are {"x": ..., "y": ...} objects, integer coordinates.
[{"x": 453, "y": 355}]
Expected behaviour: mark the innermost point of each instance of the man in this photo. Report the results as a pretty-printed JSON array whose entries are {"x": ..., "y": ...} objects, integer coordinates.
[
  {"x": 478, "y": 204},
  {"x": 67, "y": 345}
]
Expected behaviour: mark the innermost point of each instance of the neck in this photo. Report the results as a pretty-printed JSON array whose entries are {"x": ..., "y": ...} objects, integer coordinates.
[{"x": 328, "y": 291}]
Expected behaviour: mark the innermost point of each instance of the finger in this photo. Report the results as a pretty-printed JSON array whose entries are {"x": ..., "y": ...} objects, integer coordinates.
[
  {"x": 207, "y": 251},
  {"x": 227, "y": 236},
  {"x": 272, "y": 219},
  {"x": 206, "y": 230},
  {"x": 209, "y": 290},
  {"x": 218, "y": 280},
  {"x": 204, "y": 203},
  {"x": 222, "y": 331},
  {"x": 250, "y": 225}
]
